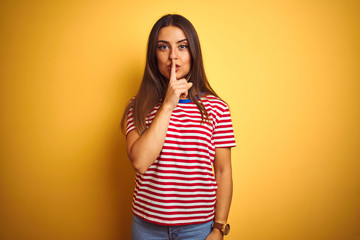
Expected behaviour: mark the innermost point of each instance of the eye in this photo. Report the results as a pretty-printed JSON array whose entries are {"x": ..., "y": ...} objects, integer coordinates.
[
  {"x": 162, "y": 47},
  {"x": 183, "y": 47}
]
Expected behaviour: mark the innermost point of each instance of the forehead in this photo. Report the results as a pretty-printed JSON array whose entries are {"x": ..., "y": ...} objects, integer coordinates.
[{"x": 171, "y": 34}]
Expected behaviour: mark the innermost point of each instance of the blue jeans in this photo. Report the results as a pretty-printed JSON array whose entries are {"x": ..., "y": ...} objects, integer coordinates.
[{"x": 143, "y": 230}]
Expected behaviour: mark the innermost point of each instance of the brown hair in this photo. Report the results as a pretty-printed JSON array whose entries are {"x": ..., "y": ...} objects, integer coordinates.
[{"x": 153, "y": 86}]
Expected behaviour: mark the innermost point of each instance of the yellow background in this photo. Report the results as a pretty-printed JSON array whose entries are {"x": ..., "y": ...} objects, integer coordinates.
[{"x": 289, "y": 70}]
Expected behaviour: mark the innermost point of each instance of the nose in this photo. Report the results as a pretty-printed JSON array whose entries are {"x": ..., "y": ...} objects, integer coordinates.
[{"x": 174, "y": 53}]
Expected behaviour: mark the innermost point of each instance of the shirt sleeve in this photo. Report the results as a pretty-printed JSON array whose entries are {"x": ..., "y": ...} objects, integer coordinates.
[
  {"x": 130, "y": 125},
  {"x": 224, "y": 133}
]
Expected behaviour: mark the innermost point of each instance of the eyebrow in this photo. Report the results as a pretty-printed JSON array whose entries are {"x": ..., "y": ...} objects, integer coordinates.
[{"x": 168, "y": 42}]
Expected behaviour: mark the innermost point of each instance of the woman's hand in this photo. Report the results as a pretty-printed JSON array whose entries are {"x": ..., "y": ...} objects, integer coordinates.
[
  {"x": 176, "y": 89},
  {"x": 215, "y": 235}
]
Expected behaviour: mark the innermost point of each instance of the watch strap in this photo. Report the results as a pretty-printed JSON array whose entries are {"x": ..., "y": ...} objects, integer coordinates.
[{"x": 221, "y": 227}]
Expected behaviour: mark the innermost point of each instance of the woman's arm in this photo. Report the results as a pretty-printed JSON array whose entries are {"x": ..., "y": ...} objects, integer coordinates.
[
  {"x": 223, "y": 175},
  {"x": 144, "y": 149}
]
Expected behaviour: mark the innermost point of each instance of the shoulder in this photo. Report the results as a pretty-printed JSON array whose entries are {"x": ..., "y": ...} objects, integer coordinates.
[
  {"x": 130, "y": 104},
  {"x": 132, "y": 99},
  {"x": 214, "y": 101}
]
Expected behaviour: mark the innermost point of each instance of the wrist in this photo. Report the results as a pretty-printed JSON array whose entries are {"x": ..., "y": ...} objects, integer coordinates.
[
  {"x": 220, "y": 221},
  {"x": 223, "y": 228},
  {"x": 166, "y": 109},
  {"x": 217, "y": 231}
]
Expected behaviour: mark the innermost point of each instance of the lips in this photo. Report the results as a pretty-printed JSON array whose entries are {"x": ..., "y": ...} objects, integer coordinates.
[{"x": 176, "y": 67}]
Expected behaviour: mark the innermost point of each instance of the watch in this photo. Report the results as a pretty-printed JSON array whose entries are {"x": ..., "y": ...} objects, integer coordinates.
[{"x": 224, "y": 228}]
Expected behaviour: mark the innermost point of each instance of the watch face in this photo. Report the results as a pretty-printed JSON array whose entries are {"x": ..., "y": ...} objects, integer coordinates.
[{"x": 227, "y": 229}]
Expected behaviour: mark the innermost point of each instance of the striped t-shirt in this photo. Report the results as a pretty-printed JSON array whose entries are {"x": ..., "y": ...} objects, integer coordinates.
[{"x": 179, "y": 188}]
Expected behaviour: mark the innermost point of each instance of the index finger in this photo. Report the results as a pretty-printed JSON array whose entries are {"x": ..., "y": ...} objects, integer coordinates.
[{"x": 173, "y": 71}]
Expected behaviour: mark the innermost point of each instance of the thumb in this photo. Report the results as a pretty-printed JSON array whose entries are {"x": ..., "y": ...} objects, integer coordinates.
[
  {"x": 189, "y": 84},
  {"x": 186, "y": 93}
]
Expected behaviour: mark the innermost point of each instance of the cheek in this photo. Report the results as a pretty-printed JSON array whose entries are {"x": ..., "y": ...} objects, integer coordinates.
[
  {"x": 188, "y": 62},
  {"x": 161, "y": 65},
  {"x": 188, "y": 59},
  {"x": 161, "y": 61}
]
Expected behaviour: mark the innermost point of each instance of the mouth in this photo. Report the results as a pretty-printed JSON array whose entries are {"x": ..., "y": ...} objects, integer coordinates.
[{"x": 176, "y": 67}]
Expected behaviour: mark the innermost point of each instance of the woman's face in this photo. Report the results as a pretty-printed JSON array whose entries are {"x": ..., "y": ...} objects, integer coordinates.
[{"x": 172, "y": 45}]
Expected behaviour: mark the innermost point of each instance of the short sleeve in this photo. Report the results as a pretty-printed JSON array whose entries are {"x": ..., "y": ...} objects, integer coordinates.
[
  {"x": 224, "y": 133},
  {"x": 130, "y": 125}
]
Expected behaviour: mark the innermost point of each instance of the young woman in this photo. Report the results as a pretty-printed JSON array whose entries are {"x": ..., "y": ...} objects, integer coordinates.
[{"x": 179, "y": 133}]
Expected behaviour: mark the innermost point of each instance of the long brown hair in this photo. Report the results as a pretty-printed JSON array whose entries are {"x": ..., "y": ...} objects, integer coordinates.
[{"x": 153, "y": 86}]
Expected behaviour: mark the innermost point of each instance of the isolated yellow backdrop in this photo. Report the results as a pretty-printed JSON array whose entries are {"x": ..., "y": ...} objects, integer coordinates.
[{"x": 288, "y": 69}]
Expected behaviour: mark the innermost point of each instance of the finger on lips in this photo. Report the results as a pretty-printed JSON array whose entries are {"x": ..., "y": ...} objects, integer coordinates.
[
  {"x": 182, "y": 84},
  {"x": 173, "y": 70}
]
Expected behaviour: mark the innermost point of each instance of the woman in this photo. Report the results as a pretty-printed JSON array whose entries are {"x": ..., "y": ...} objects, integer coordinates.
[{"x": 178, "y": 130}]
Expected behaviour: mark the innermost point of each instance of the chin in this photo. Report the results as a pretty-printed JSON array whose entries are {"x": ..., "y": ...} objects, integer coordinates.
[{"x": 182, "y": 75}]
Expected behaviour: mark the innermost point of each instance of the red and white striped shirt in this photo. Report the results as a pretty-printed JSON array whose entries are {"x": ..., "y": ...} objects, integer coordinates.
[{"x": 179, "y": 188}]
